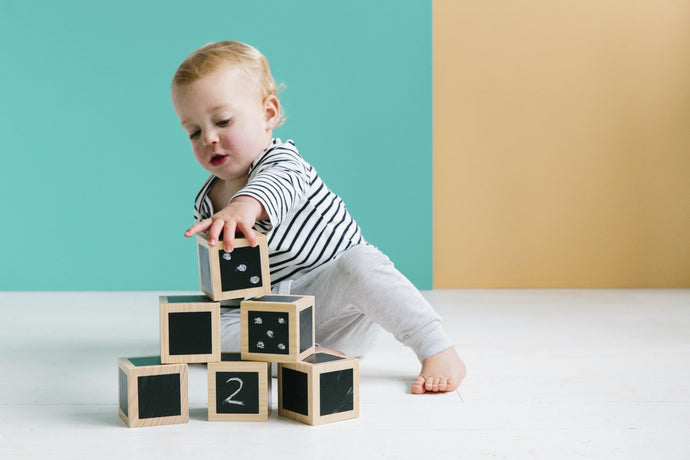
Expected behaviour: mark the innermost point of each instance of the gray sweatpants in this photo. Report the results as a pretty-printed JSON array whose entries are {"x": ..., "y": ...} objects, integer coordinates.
[{"x": 355, "y": 295}]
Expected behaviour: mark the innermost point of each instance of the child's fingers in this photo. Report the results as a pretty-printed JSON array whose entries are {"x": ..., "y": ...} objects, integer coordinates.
[
  {"x": 248, "y": 233},
  {"x": 214, "y": 231},
  {"x": 198, "y": 228},
  {"x": 229, "y": 235}
]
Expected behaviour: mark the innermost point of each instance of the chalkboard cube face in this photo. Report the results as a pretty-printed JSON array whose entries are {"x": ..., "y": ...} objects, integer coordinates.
[
  {"x": 294, "y": 387},
  {"x": 277, "y": 328},
  {"x": 323, "y": 388},
  {"x": 244, "y": 272},
  {"x": 268, "y": 332},
  {"x": 152, "y": 393},
  {"x": 190, "y": 329},
  {"x": 239, "y": 390}
]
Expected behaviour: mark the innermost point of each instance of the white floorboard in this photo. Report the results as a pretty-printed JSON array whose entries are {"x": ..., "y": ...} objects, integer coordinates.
[{"x": 553, "y": 374}]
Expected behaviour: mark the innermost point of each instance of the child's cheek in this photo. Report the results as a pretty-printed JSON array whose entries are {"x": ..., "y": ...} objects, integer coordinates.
[{"x": 198, "y": 157}]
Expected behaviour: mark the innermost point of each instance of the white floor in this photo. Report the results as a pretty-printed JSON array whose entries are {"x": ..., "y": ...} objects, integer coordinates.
[{"x": 553, "y": 374}]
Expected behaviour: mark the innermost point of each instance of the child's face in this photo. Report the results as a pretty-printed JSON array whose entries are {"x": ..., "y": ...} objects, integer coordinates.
[{"x": 227, "y": 121}]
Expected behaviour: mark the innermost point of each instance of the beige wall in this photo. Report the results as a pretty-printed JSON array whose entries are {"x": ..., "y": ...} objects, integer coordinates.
[{"x": 561, "y": 143}]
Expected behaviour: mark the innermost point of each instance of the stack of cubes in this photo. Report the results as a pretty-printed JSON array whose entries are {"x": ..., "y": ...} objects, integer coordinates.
[{"x": 313, "y": 388}]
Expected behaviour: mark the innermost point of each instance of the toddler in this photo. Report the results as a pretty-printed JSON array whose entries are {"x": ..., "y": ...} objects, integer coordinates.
[{"x": 226, "y": 99}]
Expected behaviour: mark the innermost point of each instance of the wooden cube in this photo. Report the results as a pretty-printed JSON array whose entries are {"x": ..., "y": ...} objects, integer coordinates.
[
  {"x": 244, "y": 272},
  {"x": 277, "y": 328},
  {"x": 190, "y": 329},
  {"x": 152, "y": 393},
  {"x": 239, "y": 390},
  {"x": 323, "y": 388}
]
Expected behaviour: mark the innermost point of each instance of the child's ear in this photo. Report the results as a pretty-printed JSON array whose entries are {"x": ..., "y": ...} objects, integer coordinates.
[{"x": 272, "y": 111}]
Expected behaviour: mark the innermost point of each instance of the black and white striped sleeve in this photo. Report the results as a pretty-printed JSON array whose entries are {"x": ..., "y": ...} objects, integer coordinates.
[
  {"x": 279, "y": 180},
  {"x": 203, "y": 208}
]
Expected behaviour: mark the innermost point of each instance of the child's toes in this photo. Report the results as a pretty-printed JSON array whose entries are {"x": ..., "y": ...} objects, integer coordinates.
[
  {"x": 442, "y": 384},
  {"x": 431, "y": 384},
  {"x": 418, "y": 385},
  {"x": 452, "y": 384}
]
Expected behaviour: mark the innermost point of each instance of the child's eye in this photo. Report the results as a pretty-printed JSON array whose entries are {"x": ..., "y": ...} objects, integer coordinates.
[
  {"x": 225, "y": 122},
  {"x": 195, "y": 134}
]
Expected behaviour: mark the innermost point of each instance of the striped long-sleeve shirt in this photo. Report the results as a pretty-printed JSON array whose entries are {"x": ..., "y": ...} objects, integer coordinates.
[{"x": 308, "y": 224}]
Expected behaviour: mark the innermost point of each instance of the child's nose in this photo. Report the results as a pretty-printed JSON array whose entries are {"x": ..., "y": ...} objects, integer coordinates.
[{"x": 210, "y": 138}]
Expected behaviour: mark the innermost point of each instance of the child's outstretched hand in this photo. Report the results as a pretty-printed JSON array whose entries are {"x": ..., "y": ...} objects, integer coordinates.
[{"x": 240, "y": 215}]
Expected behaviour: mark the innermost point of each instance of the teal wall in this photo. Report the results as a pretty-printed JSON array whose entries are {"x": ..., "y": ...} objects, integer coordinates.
[{"x": 97, "y": 179}]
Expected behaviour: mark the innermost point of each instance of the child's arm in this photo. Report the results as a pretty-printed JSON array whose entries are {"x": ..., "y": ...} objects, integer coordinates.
[
  {"x": 240, "y": 215},
  {"x": 279, "y": 182}
]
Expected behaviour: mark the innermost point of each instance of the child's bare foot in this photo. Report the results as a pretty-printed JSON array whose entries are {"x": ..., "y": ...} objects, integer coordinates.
[{"x": 441, "y": 372}]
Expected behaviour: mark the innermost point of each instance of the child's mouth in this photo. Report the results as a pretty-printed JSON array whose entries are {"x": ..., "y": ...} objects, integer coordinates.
[{"x": 218, "y": 159}]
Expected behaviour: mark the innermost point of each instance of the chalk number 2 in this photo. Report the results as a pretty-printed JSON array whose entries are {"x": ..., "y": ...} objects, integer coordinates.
[{"x": 229, "y": 399}]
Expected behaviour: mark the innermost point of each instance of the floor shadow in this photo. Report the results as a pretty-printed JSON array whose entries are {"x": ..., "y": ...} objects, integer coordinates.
[
  {"x": 96, "y": 415},
  {"x": 198, "y": 413}
]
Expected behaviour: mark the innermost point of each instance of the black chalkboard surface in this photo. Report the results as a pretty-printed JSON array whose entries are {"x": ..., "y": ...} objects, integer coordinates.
[
  {"x": 159, "y": 395},
  {"x": 277, "y": 298},
  {"x": 295, "y": 391},
  {"x": 240, "y": 269},
  {"x": 189, "y": 299},
  {"x": 190, "y": 333},
  {"x": 268, "y": 332},
  {"x": 337, "y": 391},
  {"x": 146, "y": 361},
  {"x": 124, "y": 396},
  {"x": 231, "y": 357},
  {"x": 306, "y": 331},
  {"x": 317, "y": 358},
  {"x": 205, "y": 268},
  {"x": 237, "y": 392}
]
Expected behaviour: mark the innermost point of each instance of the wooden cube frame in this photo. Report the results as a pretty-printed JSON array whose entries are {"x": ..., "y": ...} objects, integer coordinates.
[
  {"x": 288, "y": 342},
  {"x": 237, "y": 389},
  {"x": 322, "y": 389},
  {"x": 152, "y": 393},
  {"x": 181, "y": 317},
  {"x": 221, "y": 279}
]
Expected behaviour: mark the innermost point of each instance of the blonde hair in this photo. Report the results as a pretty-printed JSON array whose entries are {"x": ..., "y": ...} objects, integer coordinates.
[{"x": 241, "y": 56}]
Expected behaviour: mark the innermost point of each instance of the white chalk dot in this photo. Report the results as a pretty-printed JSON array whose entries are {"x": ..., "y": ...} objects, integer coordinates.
[
  {"x": 260, "y": 345},
  {"x": 269, "y": 334},
  {"x": 281, "y": 320},
  {"x": 258, "y": 320},
  {"x": 254, "y": 280},
  {"x": 227, "y": 256},
  {"x": 281, "y": 346},
  {"x": 241, "y": 268}
]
